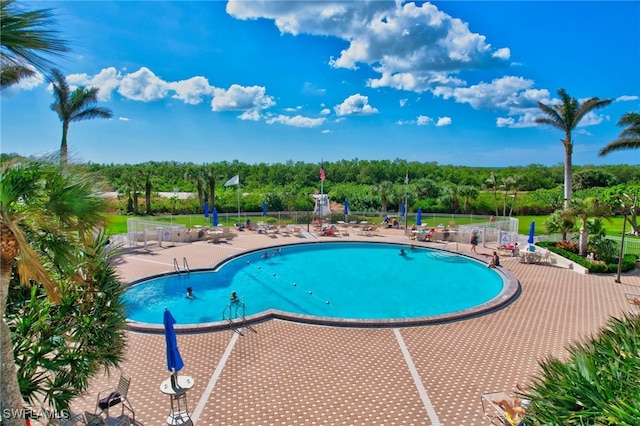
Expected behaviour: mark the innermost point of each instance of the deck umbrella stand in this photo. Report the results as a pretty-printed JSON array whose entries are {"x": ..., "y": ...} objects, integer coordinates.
[{"x": 176, "y": 386}]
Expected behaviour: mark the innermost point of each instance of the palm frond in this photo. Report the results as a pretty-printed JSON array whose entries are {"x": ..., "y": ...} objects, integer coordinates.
[{"x": 28, "y": 37}]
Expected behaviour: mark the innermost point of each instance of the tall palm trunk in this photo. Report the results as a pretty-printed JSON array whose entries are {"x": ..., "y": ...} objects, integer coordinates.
[
  {"x": 147, "y": 195},
  {"x": 64, "y": 150},
  {"x": 583, "y": 237},
  {"x": 10, "y": 395},
  {"x": 568, "y": 175}
]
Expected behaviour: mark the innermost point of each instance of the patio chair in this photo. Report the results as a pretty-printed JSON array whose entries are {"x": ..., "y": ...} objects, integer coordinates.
[
  {"x": 111, "y": 397},
  {"x": 497, "y": 414},
  {"x": 634, "y": 299},
  {"x": 97, "y": 420},
  {"x": 492, "y": 411}
]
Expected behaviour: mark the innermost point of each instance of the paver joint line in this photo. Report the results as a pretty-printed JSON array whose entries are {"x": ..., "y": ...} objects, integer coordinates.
[
  {"x": 433, "y": 416},
  {"x": 214, "y": 378}
]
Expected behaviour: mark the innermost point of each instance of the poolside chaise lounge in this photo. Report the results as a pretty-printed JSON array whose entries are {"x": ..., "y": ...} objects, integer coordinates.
[
  {"x": 633, "y": 298},
  {"x": 494, "y": 412}
]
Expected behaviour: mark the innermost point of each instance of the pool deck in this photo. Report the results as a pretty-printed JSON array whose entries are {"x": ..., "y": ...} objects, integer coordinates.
[{"x": 279, "y": 372}]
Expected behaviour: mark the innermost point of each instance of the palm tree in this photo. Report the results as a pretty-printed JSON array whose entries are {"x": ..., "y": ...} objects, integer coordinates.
[
  {"x": 629, "y": 138},
  {"x": 561, "y": 222},
  {"x": 74, "y": 106},
  {"x": 468, "y": 192},
  {"x": 492, "y": 181},
  {"x": 565, "y": 116},
  {"x": 582, "y": 211},
  {"x": 506, "y": 185},
  {"x": 385, "y": 191},
  {"x": 37, "y": 201},
  {"x": 27, "y": 39},
  {"x": 195, "y": 174},
  {"x": 85, "y": 330}
]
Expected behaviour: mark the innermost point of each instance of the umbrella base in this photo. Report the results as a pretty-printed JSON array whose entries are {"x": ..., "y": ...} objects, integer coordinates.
[{"x": 179, "y": 419}]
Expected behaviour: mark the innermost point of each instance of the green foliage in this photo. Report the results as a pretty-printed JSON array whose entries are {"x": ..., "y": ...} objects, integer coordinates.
[
  {"x": 628, "y": 261},
  {"x": 59, "y": 347},
  {"x": 598, "y": 384},
  {"x": 592, "y": 177},
  {"x": 538, "y": 188},
  {"x": 604, "y": 250}
]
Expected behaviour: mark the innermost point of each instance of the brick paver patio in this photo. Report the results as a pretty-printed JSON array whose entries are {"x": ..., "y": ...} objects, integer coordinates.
[{"x": 287, "y": 373}]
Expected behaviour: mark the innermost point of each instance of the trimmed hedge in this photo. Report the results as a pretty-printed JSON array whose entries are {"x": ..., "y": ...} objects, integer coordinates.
[{"x": 628, "y": 261}]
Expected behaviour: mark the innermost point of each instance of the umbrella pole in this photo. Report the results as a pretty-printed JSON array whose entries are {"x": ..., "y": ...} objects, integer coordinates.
[{"x": 174, "y": 379}]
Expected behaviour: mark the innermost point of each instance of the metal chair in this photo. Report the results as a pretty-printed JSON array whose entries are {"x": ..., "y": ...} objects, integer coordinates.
[
  {"x": 97, "y": 420},
  {"x": 108, "y": 398}
]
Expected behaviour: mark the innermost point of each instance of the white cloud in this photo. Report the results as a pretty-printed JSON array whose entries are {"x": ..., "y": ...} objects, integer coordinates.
[
  {"x": 310, "y": 89},
  {"x": 325, "y": 131},
  {"x": 403, "y": 102},
  {"x": 412, "y": 47},
  {"x": 423, "y": 120},
  {"x": 355, "y": 105},
  {"x": 513, "y": 95},
  {"x": 443, "y": 121},
  {"x": 591, "y": 119},
  {"x": 505, "y": 122},
  {"x": 325, "y": 111},
  {"x": 251, "y": 99},
  {"x": 503, "y": 53},
  {"x": 28, "y": 83},
  {"x": 191, "y": 91},
  {"x": 296, "y": 121},
  {"x": 143, "y": 85},
  {"x": 251, "y": 115},
  {"x": 123, "y": 119},
  {"x": 502, "y": 93},
  {"x": 106, "y": 81},
  {"x": 625, "y": 98}
]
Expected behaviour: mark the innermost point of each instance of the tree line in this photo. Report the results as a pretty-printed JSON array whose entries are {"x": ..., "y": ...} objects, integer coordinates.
[{"x": 369, "y": 185}]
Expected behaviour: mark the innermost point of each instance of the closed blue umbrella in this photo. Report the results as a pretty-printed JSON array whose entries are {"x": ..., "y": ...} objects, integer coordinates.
[
  {"x": 346, "y": 209},
  {"x": 532, "y": 230},
  {"x": 402, "y": 208},
  {"x": 419, "y": 218},
  {"x": 264, "y": 208},
  {"x": 206, "y": 209},
  {"x": 215, "y": 217},
  {"x": 174, "y": 360}
]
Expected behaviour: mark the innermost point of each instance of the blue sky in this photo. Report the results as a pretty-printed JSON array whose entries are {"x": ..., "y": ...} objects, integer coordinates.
[{"x": 453, "y": 82}]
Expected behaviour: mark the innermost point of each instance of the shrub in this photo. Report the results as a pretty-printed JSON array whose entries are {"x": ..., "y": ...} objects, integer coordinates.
[
  {"x": 604, "y": 249},
  {"x": 570, "y": 246},
  {"x": 597, "y": 385},
  {"x": 628, "y": 261}
]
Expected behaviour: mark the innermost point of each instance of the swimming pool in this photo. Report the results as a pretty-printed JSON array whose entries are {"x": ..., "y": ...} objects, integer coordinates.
[{"x": 342, "y": 283}]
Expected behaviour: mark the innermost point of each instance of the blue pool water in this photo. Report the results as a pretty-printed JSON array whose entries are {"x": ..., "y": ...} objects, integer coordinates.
[{"x": 339, "y": 280}]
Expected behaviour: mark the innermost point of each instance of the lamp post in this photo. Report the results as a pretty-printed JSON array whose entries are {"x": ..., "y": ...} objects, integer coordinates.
[{"x": 624, "y": 223}]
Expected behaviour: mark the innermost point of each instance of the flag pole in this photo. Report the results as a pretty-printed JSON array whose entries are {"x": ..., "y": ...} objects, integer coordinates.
[
  {"x": 321, "y": 180},
  {"x": 406, "y": 196}
]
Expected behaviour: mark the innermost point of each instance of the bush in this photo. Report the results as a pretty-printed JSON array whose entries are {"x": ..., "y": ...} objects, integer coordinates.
[
  {"x": 628, "y": 262},
  {"x": 597, "y": 385},
  {"x": 570, "y": 246}
]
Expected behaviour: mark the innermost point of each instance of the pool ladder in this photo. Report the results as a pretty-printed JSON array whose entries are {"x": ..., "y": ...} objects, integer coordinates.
[
  {"x": 185, "y": 265},
  {"x": 236, "y": 311}
]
